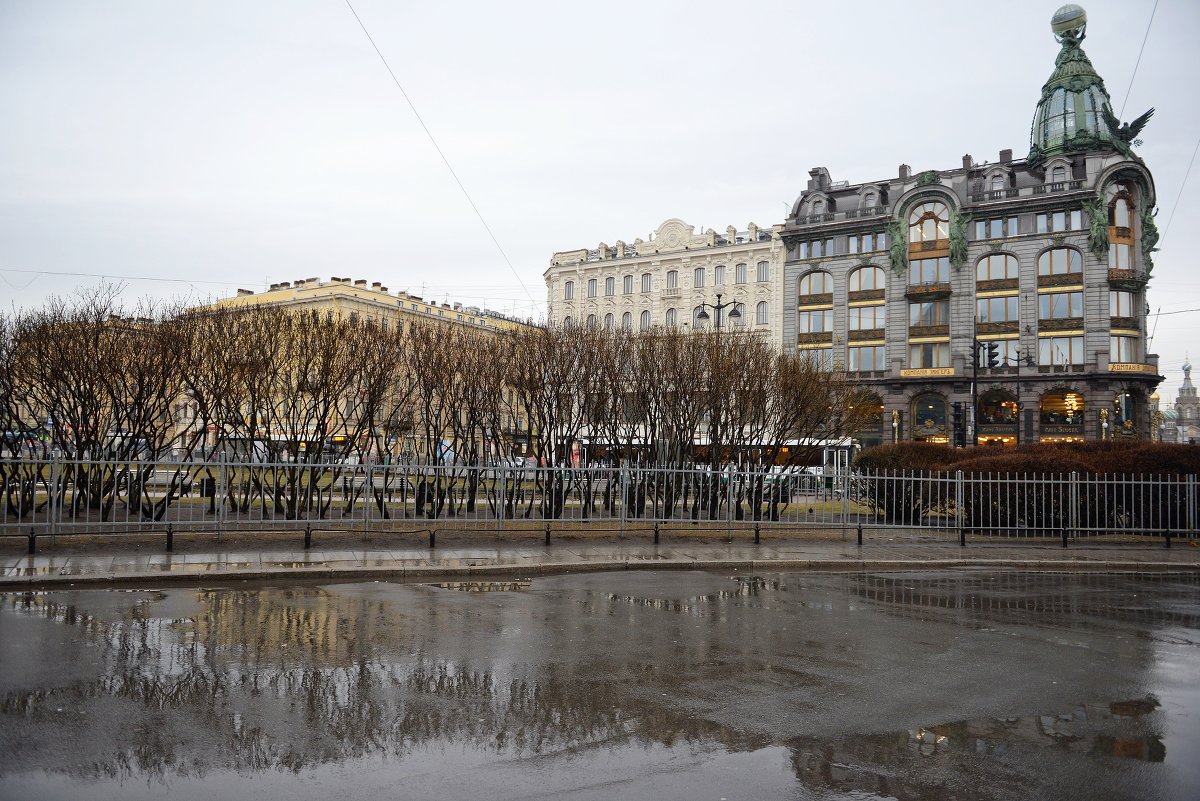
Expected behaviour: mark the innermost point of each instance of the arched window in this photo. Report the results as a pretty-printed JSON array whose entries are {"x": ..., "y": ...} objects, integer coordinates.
[
  {"x": 627, "y": 285},
  {"x": 1058, "y": 174},
  {"x": 997, "y": 183},
  {"x": 929, "y": 223},
  {"x": 591, "y": 285},
  {"x": 673, "y": 279},
  {"x": 868, "y": 200},
  {"x": 816, "y": 283},
  {"x": 996, "y": 266},
  {"x": 610, "y": 287},
  {"x": 626, "y": 322},
  {"x": 1060, "y": 261},
  {"x": 764, "y": 272},
  {"x": 646, "y": 282},
  {"x": 738, "y": 320},
  {"x": 697, "y": 323},
  {"x": 760, "y": 313},
  {"x": 739, "y": 274},
  {"x": 719, "y": 275},
  {"x": 1062, "y": 407},
  {"x": 929, "y": 416},
  {"x": 569, "y": 290},
  {"x": 698, "y": 278},
  {"x": 608, "y": 322},
  {"x": 672, "y": 318},
  {"x": 865, "y": 278},
  {"x": 567, "y": 321},
  {"x": 644, "y": 322},
  {"x": 591, "y": 321},
  {"x": 1120, "y": 227},
  {"x": 818, "y": 207}
]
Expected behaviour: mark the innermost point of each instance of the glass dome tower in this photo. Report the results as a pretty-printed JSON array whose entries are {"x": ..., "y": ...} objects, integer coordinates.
[{"x": 1069, "y": 116}]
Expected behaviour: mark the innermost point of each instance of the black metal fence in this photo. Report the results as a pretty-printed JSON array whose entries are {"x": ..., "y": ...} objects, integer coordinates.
[{"x": 63, "y": 496}]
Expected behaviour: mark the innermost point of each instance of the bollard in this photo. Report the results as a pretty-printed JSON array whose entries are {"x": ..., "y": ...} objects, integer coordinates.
[
  {"x": 1064, "y": 538},
  {"x": 432, "y": 537},
  {"x": 1167, "y": 537},
  {"x": 307, "y": 537},
  {"x": 757, "y": 534},
  {"x": 170, "y": 538},
  {"x": 962, "y": 538},
  {"x": 860, "y": 535},
  {"x": 32, "y": 541},
  {"x": 656, "y": 533},
  {"x": 547, "y": 534}
]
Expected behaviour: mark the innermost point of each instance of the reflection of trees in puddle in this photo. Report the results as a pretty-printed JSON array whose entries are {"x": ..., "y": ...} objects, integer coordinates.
[
  {"x": 485, "y": 586},
  {"x": 283, "y": 680},
  {"x": 1076, "y": 600},
  {"x": 931, "y": 762}
]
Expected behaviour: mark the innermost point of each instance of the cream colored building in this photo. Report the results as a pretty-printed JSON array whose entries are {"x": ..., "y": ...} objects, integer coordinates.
[
  {"x": 370, "y": 302},
  {"x": 663, "y": 281}
]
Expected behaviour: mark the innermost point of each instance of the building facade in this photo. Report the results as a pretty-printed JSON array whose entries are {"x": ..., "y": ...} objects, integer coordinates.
[
  {"x": 661, "y": 282},
  {"x": 1181, "y": 423},
  {"x": 1038, "y": 265},
  {"x": 368, "y": 302}
]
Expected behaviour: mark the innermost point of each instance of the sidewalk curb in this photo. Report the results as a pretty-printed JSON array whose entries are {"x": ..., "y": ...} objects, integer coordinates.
[{"x": 508, "y": 569}]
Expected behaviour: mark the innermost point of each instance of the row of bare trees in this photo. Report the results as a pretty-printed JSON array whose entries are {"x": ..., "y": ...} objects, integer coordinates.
[{"x": 87, "y": 377}]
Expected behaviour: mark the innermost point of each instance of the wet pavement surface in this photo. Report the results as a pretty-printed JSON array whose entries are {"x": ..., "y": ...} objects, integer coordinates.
[{"x": 974, "y": 684}]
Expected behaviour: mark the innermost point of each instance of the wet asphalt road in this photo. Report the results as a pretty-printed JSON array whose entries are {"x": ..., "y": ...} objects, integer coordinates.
[{"x": 669, "y": 685}]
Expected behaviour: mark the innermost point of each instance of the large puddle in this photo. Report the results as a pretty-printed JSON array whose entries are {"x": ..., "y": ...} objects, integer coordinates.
[{"x": 642, "y": 685}]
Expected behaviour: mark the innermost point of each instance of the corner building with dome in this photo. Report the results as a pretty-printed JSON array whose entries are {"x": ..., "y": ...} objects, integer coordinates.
[{"x": 1043, "y": 261}]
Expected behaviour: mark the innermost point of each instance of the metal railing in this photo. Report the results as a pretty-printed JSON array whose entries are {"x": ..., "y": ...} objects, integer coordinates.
[{"x": 47, "y": 497}]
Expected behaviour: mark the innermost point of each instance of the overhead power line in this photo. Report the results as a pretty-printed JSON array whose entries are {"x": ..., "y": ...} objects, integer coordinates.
[
  {"x": 438, "y": 148},
  {"x": 1139, "y": 58}
]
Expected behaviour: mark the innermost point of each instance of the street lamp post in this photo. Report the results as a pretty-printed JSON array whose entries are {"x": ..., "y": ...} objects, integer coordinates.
[
  {"x": 702, "y": 317},
  {"x": 734, "y": 314}
]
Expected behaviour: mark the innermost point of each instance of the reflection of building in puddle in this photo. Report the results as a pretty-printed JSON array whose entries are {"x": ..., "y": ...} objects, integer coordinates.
[
  {"x": 485, "y": 586},
  {"x": 925, "y": 761},
  {"x": 699, "y": 606},
  {"x": 1018, "y": 597}
]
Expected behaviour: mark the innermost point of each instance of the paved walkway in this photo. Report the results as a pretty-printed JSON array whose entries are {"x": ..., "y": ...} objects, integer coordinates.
[{"x": 49, "y": 571}]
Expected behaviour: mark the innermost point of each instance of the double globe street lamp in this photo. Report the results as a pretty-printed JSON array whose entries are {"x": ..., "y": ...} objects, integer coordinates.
[{"x": 734, "y": 314}]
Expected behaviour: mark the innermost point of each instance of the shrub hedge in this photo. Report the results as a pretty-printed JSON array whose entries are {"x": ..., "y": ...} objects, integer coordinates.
[{"x": 910, "y": 483}]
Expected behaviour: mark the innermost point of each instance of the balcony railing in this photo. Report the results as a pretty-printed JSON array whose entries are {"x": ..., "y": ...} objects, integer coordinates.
[{"x": 852, "y": 214}]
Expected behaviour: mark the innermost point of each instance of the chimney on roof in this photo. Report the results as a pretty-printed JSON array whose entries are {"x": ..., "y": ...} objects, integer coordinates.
[
  {"x": 273, "y": 287},
  {"x": 244, "y": 292},
  {"x": 968, "y": 162},
  {"x": 299, "y": 282},
  {"x": 313, "y": 280},
  {"x": 376, "y": 285},
  {"x": 383, "y": 289},
  {"x": 1006, "y": 155},
  {"x": 457, "y": 306},
  {"x": 818, "y": 179},
  {"x": 285, "y": 285},
  {"x": 360, "y": 283},
  {"x": 905, "y": 172}
]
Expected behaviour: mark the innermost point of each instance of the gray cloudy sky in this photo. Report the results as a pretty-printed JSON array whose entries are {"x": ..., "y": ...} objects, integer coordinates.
[{"x": 241, "y": 143}]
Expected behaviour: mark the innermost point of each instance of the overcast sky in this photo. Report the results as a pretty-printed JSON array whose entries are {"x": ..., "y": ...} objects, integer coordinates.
[{"x": 243, "y": 143}]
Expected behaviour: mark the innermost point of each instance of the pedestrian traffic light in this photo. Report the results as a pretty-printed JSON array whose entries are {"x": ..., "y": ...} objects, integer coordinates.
[
  {"x": 993, "y": 354},
  {"x": 959, "y": 425}
]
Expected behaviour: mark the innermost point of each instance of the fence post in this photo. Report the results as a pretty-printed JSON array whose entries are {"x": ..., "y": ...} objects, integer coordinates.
[
  {"x": 503, "y": 503},
  {"x": 1191, "y": 505},
  {"x": 54, "y": 505},
  {"x": 1073, "y": 500},
  {"x": 623, "y": 481},
  {"x": 368, "y": 498},
  {"x": 222, "y": 478},
  {"x": 959, "y": 509}
]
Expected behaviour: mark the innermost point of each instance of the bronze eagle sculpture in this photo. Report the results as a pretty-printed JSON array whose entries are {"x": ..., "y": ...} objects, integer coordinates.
[{"x": 1123, "y": 135}]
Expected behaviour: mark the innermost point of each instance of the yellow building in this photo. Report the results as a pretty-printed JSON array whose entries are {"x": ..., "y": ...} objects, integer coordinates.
[{"x": 372, "y": 302}]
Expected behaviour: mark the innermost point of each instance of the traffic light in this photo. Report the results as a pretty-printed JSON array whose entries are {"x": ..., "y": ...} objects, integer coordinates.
[
  {"x": 960, "y": 427},
  {"x": 987, "y": 354},
  {"x": 993, "y": 354}
]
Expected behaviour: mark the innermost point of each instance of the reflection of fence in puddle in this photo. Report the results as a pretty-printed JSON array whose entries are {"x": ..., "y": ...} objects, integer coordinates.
[
  {"x": 747, "y": 586},
  {"x": 485, "y": 586}
]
